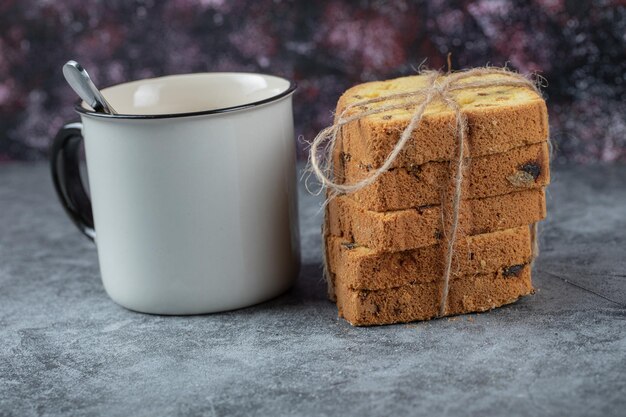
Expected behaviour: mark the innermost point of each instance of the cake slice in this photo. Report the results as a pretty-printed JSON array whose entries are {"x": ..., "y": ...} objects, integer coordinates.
[
  {"x": 420, "y": 301},
  {"x": 414, "y": 228},
  {"x": 527, "y": 167},
  {"x": 499, "y": 119},
  {"x": 362, "y": 268}
]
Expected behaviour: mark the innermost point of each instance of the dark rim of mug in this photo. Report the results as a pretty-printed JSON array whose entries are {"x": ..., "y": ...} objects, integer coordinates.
[{"x": 292, "y": 87}]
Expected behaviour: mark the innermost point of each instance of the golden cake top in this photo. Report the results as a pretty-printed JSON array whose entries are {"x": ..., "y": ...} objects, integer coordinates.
[{"x": 470, "y": 99}]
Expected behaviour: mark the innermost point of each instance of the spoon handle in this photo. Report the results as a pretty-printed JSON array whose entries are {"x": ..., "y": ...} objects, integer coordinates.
[{"x": 81, "y": 83}]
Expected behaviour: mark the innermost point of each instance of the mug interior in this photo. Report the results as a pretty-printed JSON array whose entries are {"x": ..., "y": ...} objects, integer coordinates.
[{"x": 193, "y": 93}]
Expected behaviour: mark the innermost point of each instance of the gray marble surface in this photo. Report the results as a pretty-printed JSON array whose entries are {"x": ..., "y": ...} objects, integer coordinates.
[{"x": 66, "y": 349}]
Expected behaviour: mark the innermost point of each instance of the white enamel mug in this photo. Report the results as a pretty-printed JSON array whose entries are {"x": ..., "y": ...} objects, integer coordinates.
[{"x": 192, "y": 186}]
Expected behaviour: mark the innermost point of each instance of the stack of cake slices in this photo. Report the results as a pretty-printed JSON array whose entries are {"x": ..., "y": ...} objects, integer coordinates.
[{"x": 385, "y": 244}]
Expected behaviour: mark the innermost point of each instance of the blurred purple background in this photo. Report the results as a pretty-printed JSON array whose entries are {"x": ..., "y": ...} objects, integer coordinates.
[{"x": 326, "y": 46}]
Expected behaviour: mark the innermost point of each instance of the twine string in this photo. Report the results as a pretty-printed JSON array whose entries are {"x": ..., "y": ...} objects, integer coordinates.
[{"x": 438, "y": 88}]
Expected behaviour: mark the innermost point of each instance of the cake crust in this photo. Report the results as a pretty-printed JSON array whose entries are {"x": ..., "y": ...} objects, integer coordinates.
[
  {"x": 359, "y": 267},
  {"x": 421, "y": 185},
  {"x": 499, "y": 119},
  {"x": 421, "y": 301},
  {"x": 418, "y": 227}
]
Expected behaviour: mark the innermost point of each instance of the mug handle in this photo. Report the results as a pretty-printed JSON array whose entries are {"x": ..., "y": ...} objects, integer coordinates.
[{"x": 65, "y": 168}]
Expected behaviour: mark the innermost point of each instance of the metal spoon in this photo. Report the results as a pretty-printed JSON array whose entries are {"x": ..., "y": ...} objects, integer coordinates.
[{"x": 80, "y": 82}]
